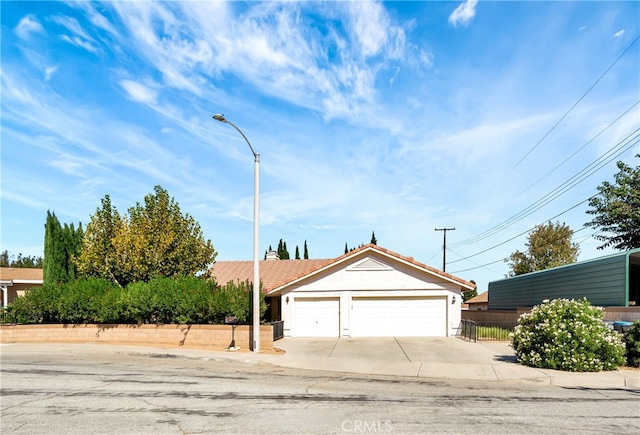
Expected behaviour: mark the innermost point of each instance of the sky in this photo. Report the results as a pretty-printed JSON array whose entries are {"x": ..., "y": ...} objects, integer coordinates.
[{"x": 397, "y": 118}]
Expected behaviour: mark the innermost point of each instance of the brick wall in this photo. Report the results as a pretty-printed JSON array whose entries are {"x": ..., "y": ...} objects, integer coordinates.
[{"x": 214, "y": 337}]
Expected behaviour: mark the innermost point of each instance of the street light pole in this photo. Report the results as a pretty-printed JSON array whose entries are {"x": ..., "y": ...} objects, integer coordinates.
[{"x": 256, "y": 229}]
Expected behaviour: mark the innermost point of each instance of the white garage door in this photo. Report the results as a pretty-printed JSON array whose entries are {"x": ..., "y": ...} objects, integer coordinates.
[
  {"x": 317, "y": 317},
  {"x": 399, "y": 317}
]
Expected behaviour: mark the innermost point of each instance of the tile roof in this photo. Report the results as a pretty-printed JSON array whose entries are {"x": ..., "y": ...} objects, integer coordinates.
[
  {"x": 277, "y": 273},
  {"x": 20, "y": 274},
  {"x": 273, "y": 273},
  {"x": 482, "y": 298}
]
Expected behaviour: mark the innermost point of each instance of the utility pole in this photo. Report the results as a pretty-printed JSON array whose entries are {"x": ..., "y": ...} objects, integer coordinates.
[{"x": 444, "y": 246}]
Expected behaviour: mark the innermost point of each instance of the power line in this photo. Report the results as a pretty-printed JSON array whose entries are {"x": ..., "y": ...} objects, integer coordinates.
[
  {"x": 582, "y": 147},
  {"x": 478, "y": 265},
  {"x": 522, "y": 233},
  {"x": 483, "y": 265},
  {"x": 570, "y": 109},
  {"x": 618, "y": 149},
  {"x": 507, "y": 258}
]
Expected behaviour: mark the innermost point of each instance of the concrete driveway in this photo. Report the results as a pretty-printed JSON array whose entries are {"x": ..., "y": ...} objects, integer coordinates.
[{"x": 431, "y": 357}]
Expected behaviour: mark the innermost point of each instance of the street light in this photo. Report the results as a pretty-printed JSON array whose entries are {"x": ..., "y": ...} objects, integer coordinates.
[{"x": 256, "y": 214}]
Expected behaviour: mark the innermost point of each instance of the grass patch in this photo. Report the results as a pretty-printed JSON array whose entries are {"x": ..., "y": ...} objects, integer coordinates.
[{"x": 492, "y": 333}]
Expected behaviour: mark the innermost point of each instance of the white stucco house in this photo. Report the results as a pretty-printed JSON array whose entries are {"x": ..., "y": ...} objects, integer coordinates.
[{"x": 369, "y": 292}]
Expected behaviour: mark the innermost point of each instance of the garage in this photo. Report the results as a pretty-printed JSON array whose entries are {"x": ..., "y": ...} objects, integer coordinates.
[
  {"x": 317, "y": 317},
  {"x": 367, "y": 292},
  {"x": 399, "y": 317}
]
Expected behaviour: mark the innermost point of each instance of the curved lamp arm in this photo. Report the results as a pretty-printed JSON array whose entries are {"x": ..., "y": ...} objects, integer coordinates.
[{"x": 221, "y": 118}]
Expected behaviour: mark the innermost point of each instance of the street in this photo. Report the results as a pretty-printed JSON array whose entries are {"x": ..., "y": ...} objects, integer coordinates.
[{"x": 106, "y": 391}]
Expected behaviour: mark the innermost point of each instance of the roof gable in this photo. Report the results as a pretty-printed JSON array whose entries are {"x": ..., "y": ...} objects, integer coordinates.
[
  {"x": 482, "y": 298},
  {"x": 278, "y": 274}
]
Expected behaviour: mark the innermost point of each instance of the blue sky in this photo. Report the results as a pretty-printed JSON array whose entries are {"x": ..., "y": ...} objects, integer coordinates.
[{"x": 393, "y": 117}]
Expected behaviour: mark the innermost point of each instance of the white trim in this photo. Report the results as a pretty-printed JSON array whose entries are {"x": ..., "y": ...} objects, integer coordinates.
[
  {"x": 369, "y": 249},
  {"x": 368, "y": 264},
  {"x": 5, "y": 295}
]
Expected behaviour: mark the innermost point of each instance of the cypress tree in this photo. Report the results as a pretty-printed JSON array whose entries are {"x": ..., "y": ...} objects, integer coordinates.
[
  {"x": 61, "y": 246},
  {"x": 297, "y": 253},
  {"x": 373, "y": 238},
  {"x": 346, "y": 249},
  {"x": 53, "y": 263},
  {"x": 306, "y": 251}
]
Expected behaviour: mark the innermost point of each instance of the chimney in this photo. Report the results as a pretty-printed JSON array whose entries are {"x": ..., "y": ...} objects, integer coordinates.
[{"x": 272, "y": 255}]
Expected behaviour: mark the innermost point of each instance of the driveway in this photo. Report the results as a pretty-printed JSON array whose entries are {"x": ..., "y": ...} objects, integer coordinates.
[{"x": 431, "y": 357}]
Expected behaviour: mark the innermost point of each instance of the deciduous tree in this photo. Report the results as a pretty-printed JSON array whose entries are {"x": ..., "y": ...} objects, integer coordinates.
[
  {"x": 8, "y": 260},
  {"x": 548, "y": 246},
  {"x": 616, "y": 208},
  {"x": 154, "y": 239}
]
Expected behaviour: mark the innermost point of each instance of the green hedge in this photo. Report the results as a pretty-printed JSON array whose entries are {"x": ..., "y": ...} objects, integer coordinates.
[
  {"x": 162, "y": 300},
  {"x": 632, "y": 341}
]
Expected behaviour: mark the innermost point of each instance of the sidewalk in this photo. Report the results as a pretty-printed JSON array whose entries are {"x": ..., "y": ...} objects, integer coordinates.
[{"x": 436, "y": 358}]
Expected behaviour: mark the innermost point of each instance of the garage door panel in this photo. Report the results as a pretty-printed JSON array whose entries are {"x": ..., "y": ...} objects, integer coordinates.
[
  {"x": 316, "y": 317},
  {"x": 398, "y": 317}
]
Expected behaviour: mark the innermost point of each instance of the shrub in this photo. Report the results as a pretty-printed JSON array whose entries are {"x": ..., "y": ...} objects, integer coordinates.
[
  {"x": 82, "y": 301},
  {"x": 567, "y": 335},
  {"x": 233, "y": 299},
  {"x": 38, "y": 305},
  {"x": 632, "y": 341},
  {"x": 196, "y": 301},
  {"x": 184, "y": 299}
]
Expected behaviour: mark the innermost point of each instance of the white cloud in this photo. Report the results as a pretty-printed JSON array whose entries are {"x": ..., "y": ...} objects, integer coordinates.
[
  {"x": 48, "y": 71},
  {"x": 79, "y": 42},
  {"x": 79, "y": 37},
  {"x": 270, "y": 46},
  {"x": 26, "y": 199},
  {"x": 68, "y": 165},
  {"x": 619, "y": 34},
  {"x": 27, "y": 26},
  {"x": 370, "y": 25},
  {"x": 139, "y": 92},
  {"x": 464, "y": 13}
]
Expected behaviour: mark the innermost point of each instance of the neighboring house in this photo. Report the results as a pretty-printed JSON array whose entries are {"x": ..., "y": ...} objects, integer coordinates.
[
  {"x": 480, "y": 302},
  {"x": 15, "y": 281},
  {"x": 368, "y": 292},
  {"x": 611, "y": 281}
]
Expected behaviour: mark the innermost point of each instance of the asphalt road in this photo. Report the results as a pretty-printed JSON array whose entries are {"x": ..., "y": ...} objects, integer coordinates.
[{"x": 76, "y": 392}]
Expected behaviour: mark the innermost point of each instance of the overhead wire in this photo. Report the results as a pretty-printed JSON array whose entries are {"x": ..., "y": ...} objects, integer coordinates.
[
  {"x": 625, "y": 144},
  {"x": 570, "y": 109},
  {"x": 507, "y": 258},
  {"x": 522, "y": 233},
  {"x": 562, "y": 188},
  {"x": 477, "y": 265},
  {"x": 582, "y": 147}
]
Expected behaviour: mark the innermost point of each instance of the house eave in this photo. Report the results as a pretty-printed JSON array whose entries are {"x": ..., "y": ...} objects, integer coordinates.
[{"x": 277, "y": 291}]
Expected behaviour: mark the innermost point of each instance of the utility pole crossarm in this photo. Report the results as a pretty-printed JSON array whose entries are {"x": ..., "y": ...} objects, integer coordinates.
[{"x": 444, "y": 246}]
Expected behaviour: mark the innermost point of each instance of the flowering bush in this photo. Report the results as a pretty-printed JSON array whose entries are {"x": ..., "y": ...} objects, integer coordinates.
[{"x": 567, "y": 335}]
